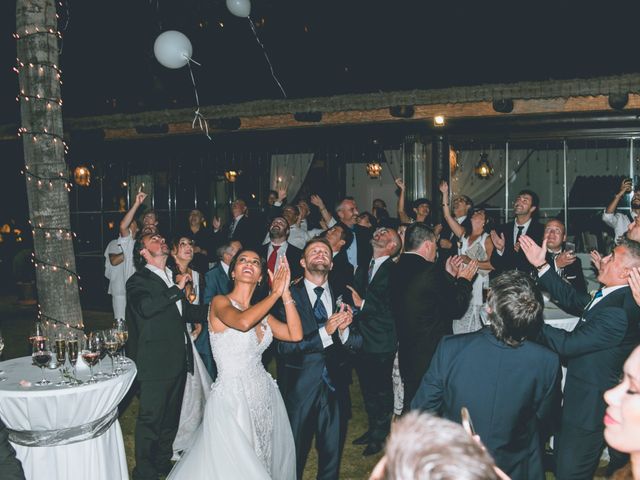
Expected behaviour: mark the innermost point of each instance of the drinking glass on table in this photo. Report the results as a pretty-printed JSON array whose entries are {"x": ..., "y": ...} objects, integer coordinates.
[
  {"x": 36, "y": 332},
  {"x": 91, "y": 352},
  {"x": 123, "y": 332},
  {"x": 61, "y": 357},
  {"x": 41, "y": 357},
  {"x": 101, "y": 336},
  {"x": 72, "y": 352},
  {"x": 111, "y": 344}
]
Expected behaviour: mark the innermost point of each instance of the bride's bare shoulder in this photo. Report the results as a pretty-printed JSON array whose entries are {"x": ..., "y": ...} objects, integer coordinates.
[{"x": 217, "y": 303}]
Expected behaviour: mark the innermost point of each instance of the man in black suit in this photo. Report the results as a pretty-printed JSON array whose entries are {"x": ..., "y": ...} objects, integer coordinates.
[
  {"x": 316, "y": 383},
  {"x": 565, "y": 263},
  {"x": 279, "y": 247},
  {"x": 341, "y": 274},
  {"x": 374, "y": 363},
  {"x": 594, "y": 351},
  {"x": 240, "y": 228},
  {"x": 160, "y": 345},
  {"x": 510, "y": 385},
  {"x": 507, "y": 255},
  {"x": 10, "y": 466},
  {"x": 425, "y": 299}
]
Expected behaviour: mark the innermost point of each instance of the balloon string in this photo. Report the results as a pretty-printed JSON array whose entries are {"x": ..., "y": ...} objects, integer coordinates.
[
  {"x": 264, "y": 51},
  {"x": 199, "y": 118}
]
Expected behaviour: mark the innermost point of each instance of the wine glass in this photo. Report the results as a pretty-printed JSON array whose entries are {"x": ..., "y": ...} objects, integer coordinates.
[
  {"x": 91, "y": 351},
  {"x": 41, "y": 357},
  {"x": 61, "y": 357},
  {"x": 2, "y": 379},
  {"x": 72, "y": 352},
  {"x": 121, "y": 327},
  {"x": 36, "y": 332},
  {"x": 101, "y": 338},
  {"x": 111, "y": 345}
]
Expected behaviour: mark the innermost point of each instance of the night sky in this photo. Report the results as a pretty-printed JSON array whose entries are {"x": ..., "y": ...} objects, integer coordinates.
[{"x": 321, "y": 48}]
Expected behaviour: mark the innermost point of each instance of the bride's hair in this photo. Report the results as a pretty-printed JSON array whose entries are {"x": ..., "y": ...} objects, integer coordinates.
[{"x": 262, "y": 289}]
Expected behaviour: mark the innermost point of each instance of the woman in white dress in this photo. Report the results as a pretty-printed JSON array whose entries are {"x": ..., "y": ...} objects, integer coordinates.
[
  {"x": 475, "y": 244},
  {"x": 245, "y": 433}
]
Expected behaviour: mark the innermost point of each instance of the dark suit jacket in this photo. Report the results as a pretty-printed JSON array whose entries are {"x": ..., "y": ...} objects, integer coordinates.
[
  {"x": 340, "y": 276},
  {"x": 216, "y": 282},
  {"x": 595, "y": 350},
  {"x": 293, "y": 255},
  {"x": 510, "y": 259},
  {"x": 509, "y": 392},
  {"x": 375, "y": 320},
  {"x": 157, "y": 331},
  {"x": 425, "y": 300},
  {"x": 304, "y": 361},
  {"x": 10, "y": 466},
  {"x": 246, "y": 232},
  {"x": 362, "y": 237},
  {"x": 572, "y": 274}
]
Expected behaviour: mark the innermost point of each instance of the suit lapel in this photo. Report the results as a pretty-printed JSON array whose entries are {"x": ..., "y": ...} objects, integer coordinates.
[
  {"x": 605, "y": 302},
  {"x": 306, "y": 309}
]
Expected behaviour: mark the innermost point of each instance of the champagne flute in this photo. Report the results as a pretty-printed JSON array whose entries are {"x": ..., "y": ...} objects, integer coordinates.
[
  {"x": 61, "y": 357},
  {"x": 91, "y": 353},
  {"x": 72, "y": 351},
  {"x": 121, "y": 327},
  {"x": 2, "y": 379},
  {"x": 41, "y": 357},
  {"x": 111, "y": 344}
]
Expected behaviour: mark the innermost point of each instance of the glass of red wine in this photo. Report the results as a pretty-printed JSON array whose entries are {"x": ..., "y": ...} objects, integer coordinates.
[
  {"x": 41, "y": 357},
  {"x": 91, "y": 352}
]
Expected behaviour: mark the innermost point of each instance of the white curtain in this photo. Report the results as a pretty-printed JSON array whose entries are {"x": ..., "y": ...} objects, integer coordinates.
[{"x": 289, "y": 171}]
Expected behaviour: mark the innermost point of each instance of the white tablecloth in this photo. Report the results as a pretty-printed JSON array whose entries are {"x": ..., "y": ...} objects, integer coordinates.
[
  {"x": 559, "y": 318},
  {"x": 52, "y": 408}
]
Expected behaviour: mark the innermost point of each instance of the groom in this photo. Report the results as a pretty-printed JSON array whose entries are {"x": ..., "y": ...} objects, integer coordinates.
[{"x": 316, "y": 378}]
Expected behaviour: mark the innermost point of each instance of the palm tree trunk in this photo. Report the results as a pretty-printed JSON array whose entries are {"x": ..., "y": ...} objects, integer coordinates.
[{"x": 45, "y": 168}]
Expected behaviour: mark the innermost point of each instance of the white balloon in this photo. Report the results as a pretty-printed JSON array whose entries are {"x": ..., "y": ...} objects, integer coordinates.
[
  {"x": 172, "y": 49},
  {"x": 240, "y": 8}
]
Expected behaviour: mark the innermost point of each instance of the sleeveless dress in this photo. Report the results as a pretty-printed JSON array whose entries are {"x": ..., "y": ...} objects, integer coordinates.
[
  {"x": 245, "y": 433},
  {"x": 471, "y": 321}
]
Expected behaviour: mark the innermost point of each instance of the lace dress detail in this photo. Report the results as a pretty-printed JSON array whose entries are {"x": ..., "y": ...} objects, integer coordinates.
[
  {"x": 471, "y": 320},
  {"x": 238, "y": 356}
]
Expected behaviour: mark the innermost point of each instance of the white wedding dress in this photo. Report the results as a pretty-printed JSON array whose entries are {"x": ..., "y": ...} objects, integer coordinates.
[{"x": 245, "y": 433}]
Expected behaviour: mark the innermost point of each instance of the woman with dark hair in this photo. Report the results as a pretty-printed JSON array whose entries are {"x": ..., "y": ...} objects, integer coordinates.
[
  {"x": 245, "y": 432},
  {"x": 475, "y": 244}
]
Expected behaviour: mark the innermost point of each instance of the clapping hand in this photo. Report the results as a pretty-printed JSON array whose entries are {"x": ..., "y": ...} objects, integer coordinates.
[
  {"x": 565, "y": 258},
  {"x": 281, "y": 279},
  {"x": 498, "y": 240},
  {"x": 535, "y": 253},
  {"x": 468, "y": 270},
  {"x": 339, "y": 320},
  {"x": 453, "y": 264},
  {"x": 634, "y": 283},
  {"x": 596, "y": 258}
]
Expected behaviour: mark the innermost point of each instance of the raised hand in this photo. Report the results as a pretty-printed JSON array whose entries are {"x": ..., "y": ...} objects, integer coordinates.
[
  {"x": 535, "y": 253},
  {"x": 316, "y": 200},
  {"x": 282, "y": 194},
  {"x": 596, "y": 258},
  {"x": 444, "y": 189},
  {"x": 626, "y": 186},
  {"x": 468, "y": 270},
  {"x": 400, "y": 183},
  {"x": 498, "y": 240},
  {"x": 216, "y": 223},
  {"x": 357, "y": 299},
  {"x": 140, "y": 196}
]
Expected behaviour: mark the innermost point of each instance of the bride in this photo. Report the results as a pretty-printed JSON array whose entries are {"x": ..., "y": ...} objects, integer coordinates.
[{"x": 245, "y": 432}]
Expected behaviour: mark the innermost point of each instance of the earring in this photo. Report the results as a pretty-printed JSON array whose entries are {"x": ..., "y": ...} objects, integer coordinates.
[{"x": 259, "y": 282}]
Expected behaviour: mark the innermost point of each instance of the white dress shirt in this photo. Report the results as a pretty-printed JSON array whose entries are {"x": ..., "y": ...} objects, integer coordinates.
[
  {"x": 326, "y": 301},
  {"x": 618, "y": 221},
  {"x": 167, "y": 277}
]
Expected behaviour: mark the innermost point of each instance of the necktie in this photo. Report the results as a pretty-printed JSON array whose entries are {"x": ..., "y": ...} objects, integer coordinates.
[
  {"x": 520, "y": 229},
  {"x": 597, "y": 295},
  {"x": 370, "y": 274},
  {"x": 320, "y": 314},
  {"x": 271, "y": 262},
  {"x": 232, "y": 228}
]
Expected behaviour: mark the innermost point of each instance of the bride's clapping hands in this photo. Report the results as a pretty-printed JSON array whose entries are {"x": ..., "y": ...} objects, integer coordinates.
[{"x": 281, "y": 279}]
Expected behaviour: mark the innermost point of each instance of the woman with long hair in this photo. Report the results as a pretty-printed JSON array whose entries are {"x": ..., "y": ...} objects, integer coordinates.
[
  {"x": 246, "y": 432},
  {"x": 475, "y": 244}
]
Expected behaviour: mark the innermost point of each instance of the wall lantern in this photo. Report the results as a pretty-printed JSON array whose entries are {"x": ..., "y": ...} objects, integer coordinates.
[
  {"x": 231, "y": 175},
  {"x": 82, "y": 176},
  {"x": 484, "y": 169},
  {"x": 374, "y": 169}
]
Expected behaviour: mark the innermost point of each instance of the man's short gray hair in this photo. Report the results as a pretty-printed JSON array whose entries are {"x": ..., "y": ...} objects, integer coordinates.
[
  {"x": 632, "y": 247},
  {"x": 416, "y": 234},
  {"x": 424, "y": 447}
]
